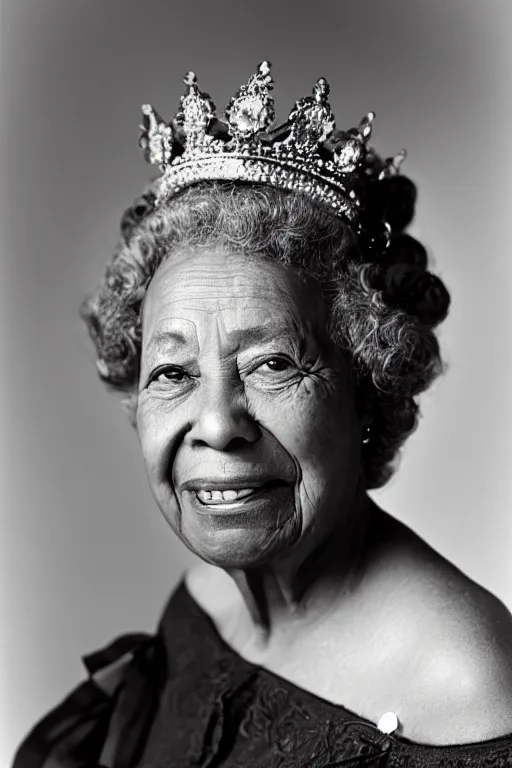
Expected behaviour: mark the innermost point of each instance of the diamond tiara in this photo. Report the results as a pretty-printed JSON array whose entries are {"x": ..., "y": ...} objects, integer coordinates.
[{"x": 306, "y": 153}]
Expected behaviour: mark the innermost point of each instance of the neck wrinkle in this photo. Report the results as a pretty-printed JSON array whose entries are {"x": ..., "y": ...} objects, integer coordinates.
[{"x": 336, "y": 566}]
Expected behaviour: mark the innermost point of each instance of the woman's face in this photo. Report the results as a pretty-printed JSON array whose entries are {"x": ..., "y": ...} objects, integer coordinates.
[{"x": 245, "y": 417}]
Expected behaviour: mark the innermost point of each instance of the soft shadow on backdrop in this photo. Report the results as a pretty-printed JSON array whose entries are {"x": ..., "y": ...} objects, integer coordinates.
[{"x": 85, "y": 554}]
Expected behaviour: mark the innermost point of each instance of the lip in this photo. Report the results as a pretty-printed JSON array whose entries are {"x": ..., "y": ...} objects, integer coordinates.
[
  {"x": 260, "y": 506},
  {"x": 231, "y": 484}
]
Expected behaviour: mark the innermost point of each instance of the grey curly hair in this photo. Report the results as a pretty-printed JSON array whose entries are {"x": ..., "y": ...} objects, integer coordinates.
[{"x": 382, "y": 311}]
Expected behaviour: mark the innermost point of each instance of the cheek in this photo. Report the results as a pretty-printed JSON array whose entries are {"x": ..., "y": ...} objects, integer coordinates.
[
  {"x": 160, "y": 427},
  {"x": 311, "y": 420},
  {"x": 161, "y": 423},
  {"x": 318, "y": 427}
]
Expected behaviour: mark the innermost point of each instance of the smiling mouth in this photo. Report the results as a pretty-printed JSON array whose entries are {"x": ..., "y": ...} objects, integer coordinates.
[{"x": 228, "y": 498}]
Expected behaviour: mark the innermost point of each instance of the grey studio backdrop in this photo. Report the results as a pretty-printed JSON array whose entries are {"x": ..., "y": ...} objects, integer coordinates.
[{"x": 85, "y": 553}]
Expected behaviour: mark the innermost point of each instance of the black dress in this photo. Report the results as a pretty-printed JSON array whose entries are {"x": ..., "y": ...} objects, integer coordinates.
[{"x": 182, "y": 698}]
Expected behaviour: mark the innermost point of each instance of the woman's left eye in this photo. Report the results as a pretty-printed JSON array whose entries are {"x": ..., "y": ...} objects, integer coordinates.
[{"x": 277, "y": 364}]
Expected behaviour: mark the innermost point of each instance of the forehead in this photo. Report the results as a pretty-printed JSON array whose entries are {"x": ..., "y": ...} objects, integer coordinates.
[{"x": 244, "y": 292}]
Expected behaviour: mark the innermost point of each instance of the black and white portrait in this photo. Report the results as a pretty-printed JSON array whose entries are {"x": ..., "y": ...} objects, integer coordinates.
[{"x": 256, "y": 384}]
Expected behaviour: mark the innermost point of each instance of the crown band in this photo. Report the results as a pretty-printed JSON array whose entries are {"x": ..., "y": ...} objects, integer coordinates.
[{"x": 289, "y": 175}]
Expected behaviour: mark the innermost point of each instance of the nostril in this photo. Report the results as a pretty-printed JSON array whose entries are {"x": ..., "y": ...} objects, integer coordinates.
[
  {"x": 238, "y": 444},
  {"x": 225, "y": 430}
]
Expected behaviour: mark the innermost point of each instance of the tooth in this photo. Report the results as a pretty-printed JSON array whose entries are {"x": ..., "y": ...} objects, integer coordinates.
[
  {"x": 217, "y": 495},
  {"x": 229, "y": 495},
  {"x": 245, "y": 492},
  {"x": 204, "y": 495}
]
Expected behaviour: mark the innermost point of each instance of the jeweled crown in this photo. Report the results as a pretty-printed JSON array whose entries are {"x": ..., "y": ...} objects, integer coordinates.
[{"x": 307, "y": 153}]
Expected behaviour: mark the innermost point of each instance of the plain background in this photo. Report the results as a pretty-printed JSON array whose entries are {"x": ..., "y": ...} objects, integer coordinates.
[{"x": 85, "y": 555}]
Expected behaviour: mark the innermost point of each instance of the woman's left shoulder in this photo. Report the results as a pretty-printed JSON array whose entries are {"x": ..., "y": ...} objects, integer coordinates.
[
  {"x": 469, "y": 654},
  {"x": 460, "y": 656}
]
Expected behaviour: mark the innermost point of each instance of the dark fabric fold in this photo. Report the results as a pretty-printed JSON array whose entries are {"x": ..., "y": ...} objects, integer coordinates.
[
  {"x": 70, "y": 734},
  {"x": 104, "y": 720}
]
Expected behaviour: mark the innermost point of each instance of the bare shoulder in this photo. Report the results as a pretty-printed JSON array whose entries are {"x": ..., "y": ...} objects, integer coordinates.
[{"x": 459, "y": 655}]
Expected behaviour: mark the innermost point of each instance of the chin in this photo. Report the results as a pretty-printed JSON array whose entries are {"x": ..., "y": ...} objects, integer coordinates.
[
  {"x": 240, "y": 533},
  {"x": 239, "y": 546}
]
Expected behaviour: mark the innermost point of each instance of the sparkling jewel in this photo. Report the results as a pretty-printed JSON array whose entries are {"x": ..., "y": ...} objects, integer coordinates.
[
  {"x": 388, "y": 722},
  {"x": 251, "y": 110},
  {"x": 249, "y": 115},
  {"x": 348, "y": 154}
]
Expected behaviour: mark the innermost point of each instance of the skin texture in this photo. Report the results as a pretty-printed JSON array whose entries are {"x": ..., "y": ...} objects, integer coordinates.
[
  {"x": 236, "y": 380},
  {"x": 239, "y": 383}
]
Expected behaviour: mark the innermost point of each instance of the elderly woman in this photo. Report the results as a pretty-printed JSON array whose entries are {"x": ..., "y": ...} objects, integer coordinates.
[{"x": 270, "y": 325}]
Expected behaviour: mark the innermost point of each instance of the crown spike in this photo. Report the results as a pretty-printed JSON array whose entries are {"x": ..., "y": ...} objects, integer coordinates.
[
  {"x": 399, "y": 159},
  {"x": 251, "y": 110},
  {"x": 392, "y": 165},
  {"x": 365, "y": 126},
  {"x": 157, "y": 137},
  {"x": 264, "y": 70},
  {"x": 311, "y": 119},
  {"x": 321, "y": 90},
  {"x": 190, "y": 80},
  {"x": 196, "y": 112}
]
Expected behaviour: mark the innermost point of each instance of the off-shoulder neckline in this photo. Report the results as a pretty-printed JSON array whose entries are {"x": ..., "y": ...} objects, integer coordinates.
[{"x": 399, "y": 740}]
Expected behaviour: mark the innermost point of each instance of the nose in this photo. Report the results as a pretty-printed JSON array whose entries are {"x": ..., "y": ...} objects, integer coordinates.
[{"x": 223, "y": 421}]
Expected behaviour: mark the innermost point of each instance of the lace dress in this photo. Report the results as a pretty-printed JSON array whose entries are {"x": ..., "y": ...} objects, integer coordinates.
[{"x": 182, "y": 698}]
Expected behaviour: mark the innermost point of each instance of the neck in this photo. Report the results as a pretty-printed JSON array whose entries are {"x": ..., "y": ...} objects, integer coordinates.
[{"x": 308, "y": 582}]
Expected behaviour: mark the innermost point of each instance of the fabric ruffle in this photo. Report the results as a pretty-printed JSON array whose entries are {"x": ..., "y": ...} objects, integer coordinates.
[{"x": 103, "y": 722}]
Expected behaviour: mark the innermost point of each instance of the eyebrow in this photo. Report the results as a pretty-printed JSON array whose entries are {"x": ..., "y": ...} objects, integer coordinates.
[
  {"x": 243, "y": 337},
  {"x": 161, "y": 338},
  {"x": 258, "y": 334}
]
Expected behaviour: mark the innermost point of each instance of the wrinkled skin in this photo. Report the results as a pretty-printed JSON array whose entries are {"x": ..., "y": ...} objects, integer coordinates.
[{"x": 238, "y": 379}]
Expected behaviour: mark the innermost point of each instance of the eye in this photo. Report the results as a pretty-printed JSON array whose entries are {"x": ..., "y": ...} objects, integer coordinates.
[
  {"x": 277, "y": 364},
  {"x": 171, "y": 373}
]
